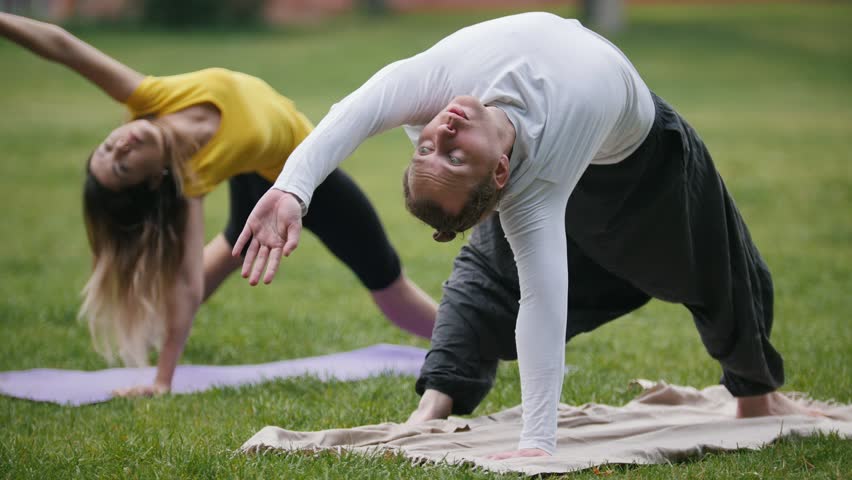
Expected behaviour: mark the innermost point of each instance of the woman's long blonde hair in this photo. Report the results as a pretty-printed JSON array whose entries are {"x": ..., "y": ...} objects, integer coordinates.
[{"x": 137, "y": 241}]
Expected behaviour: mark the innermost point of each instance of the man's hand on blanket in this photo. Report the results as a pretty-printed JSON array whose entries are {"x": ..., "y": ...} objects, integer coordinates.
[
  {"x": 142, "y": 390},
  {"x": 524, "y": 452}
]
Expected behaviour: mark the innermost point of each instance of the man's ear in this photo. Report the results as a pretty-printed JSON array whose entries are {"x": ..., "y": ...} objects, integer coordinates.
[{"x": 501, "y": 172}]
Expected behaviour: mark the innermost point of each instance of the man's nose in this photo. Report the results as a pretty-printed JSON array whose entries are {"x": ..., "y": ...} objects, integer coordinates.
[
  {"x": 445, "y": 134},
  {"x": 452, "y": 123}
]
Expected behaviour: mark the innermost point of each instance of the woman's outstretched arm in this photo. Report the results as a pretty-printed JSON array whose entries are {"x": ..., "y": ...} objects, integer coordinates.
[{"x": 55, "y": 44}]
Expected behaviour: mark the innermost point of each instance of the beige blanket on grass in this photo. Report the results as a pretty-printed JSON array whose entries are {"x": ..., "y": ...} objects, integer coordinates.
[{"x": 665, "y": 423}]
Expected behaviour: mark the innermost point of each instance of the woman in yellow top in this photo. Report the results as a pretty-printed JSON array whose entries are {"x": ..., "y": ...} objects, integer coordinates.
[{"x": 143, "y": 200}]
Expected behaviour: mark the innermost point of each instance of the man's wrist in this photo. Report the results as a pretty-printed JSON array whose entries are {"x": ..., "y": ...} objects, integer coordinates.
[{"x": 302, "y": 204}]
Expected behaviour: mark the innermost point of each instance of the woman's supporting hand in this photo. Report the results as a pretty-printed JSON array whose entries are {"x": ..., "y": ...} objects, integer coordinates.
[
  {"x": 186, "y": 297},
  {"x": 142, "y": 390},
  {"x": 273, "y": 230}
]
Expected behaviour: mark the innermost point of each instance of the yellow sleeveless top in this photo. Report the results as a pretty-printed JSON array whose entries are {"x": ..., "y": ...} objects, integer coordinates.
[{"x": 258, "y": 130}]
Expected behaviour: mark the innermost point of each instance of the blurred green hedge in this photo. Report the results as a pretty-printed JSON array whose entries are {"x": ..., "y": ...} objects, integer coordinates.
[{"x": 200, "y": 13}]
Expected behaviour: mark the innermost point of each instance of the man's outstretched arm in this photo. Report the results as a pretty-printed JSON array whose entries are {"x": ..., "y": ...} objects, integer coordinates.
[{"x": 399, "y": 94}]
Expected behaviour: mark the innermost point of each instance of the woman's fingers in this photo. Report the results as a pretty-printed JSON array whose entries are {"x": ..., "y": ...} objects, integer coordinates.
[{"x": 140, "y": 390}]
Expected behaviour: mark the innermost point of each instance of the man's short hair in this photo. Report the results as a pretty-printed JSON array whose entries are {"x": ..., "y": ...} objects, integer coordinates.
[{"x": 482, "y": 199}]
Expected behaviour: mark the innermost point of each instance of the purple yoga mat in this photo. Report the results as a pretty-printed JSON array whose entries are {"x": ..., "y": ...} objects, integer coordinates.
[{"x": 76, "y": 387}]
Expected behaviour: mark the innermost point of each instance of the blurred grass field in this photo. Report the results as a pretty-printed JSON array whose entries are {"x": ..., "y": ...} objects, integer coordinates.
[{"x": 768, "y": 88}]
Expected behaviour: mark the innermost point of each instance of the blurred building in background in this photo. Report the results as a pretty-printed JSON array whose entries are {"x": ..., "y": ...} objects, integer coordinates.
[
  {"x": 603, "y": 15},
  {"x": 286, "y": 11},
  {"x": 270, "y": 11}
]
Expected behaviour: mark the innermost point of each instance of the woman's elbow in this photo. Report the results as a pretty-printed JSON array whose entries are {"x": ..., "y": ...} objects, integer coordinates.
[
  {"x": 61, "y": 44},
  {"x": 196, "y": 296},
  {"x": 191, "y": 292}
]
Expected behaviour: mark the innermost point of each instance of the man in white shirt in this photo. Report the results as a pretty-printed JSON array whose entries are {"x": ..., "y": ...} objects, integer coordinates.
[{"x": 507, "y": 115}]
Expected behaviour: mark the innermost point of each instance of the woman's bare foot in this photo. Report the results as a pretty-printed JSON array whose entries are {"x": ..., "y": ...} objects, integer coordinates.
[{"x": 772, "y": 404}]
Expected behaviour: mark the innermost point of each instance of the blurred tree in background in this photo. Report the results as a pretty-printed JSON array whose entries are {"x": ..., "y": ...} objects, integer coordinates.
[
  {"x": 604, "y": 16},
  {"x": 196, "y": 13},
  {"x": 374, "y": 7}
]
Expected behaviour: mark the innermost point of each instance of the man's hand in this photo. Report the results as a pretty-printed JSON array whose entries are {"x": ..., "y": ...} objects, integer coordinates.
[
  {"x": 273, "y": 229},
  {"x": 524, "y": 452},
  {"x": 142, "y": 390}
]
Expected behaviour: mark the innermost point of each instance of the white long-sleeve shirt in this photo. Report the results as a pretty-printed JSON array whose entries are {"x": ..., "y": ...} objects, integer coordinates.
[{"x": 573, "y": 98}]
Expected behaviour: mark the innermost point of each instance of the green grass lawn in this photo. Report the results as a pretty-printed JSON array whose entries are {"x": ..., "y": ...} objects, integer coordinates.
[{"x": 768, "y": 87}]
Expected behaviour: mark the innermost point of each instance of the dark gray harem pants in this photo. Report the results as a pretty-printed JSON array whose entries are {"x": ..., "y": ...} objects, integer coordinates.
[{"x": 659, "y": 224}]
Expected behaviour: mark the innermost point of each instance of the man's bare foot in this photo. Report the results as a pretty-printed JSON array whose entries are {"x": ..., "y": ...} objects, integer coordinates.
[
  {"x": 433, "y": 404},
  {"x": 772, "y": 404}
]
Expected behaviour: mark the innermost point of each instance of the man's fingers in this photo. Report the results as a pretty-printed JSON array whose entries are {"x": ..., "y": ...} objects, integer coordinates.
[
  {"x": 259, "y": 264},
  {"x": 242, "y": 241},
  {"x": 250, "y": 254},
  {"x": 272, "y": 265},
  {"x": 525, "y": 452},
  {"x": 293, "y": 232}
]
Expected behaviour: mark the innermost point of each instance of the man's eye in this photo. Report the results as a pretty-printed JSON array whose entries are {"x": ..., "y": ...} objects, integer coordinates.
[
  {"x": 423, "y": 150},
  {"x": 455, "y": 160}
]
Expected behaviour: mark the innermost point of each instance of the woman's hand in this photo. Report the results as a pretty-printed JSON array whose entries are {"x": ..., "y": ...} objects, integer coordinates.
[
  {"x": 273, "y": 228},
  {"x": 142, "y": 390}
]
